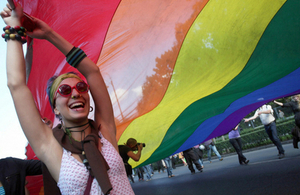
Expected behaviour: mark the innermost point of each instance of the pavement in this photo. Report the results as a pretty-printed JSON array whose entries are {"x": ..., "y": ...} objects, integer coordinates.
[{"x": 265, "y": 174}]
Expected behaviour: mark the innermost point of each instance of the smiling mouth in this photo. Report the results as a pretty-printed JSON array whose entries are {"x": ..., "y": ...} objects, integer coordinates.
[{"x": 77, "y": 105}]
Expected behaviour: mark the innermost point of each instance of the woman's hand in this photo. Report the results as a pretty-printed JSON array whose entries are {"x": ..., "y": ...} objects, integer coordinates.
[
  {"x": 12, "y": 17},
  {"x": 41, "y": 30}
]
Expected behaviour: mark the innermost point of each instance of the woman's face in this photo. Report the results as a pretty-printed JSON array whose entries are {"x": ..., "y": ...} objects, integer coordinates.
[{"x": 72, "y": 108}]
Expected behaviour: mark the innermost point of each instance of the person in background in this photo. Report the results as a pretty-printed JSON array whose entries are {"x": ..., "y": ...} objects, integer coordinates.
[
  {"x": 152, "y": 169},
  {"x": 140, "y": 173},
  {"x": 167, "y": 162},
  {"x": 13, "y": 172},
  {"x": 127, "y": 151},
  {"x": 181, "y": 157},
  {"x": 174, "y": 159},
  {"x": 210, "y": 145},
  {"x": 295, "y": 106},
  {"x": 265, "y": 113},
  {"x": 191, "y": 157},
  {"x": 236, "y": 142},
  {"x": 147, "y": 171},
  {"x": 199, "y": 152},
  {"x": 160, "y": 166},
  {"x": 281, "y": 114}
]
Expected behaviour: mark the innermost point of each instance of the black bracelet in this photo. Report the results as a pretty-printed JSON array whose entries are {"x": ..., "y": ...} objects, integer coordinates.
[{"x": 75, "y": 56}]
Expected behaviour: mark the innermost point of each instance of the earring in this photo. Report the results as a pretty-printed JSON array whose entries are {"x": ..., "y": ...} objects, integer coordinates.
[
  {"x": 56, "y": 112},
  {"x": 91, "y": 109}
]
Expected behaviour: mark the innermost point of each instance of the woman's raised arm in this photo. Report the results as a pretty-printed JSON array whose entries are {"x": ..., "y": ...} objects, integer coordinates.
[
  {"x": 38, "y": 134},
  {"x": 103, "y": 106}
]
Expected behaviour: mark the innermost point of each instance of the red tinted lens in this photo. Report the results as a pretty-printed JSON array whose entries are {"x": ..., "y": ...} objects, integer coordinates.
[
  {"x": 82, "y": 87},
  {"x": 65, "y": 89}
]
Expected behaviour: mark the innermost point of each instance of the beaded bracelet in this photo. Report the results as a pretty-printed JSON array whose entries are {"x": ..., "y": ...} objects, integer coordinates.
[
  {"x": 75, "y": 56},
  {"x": 15, "y": 33}
]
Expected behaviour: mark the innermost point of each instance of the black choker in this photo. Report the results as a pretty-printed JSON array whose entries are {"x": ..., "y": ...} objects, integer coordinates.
[
  {"x": 76, "y": 126},
  {"x": 68, "y": 131}
]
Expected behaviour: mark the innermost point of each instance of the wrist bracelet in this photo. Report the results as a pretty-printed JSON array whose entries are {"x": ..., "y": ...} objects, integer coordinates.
[
  {"x": 75, "y": 56},
  {"x": 15, "y": 33}
]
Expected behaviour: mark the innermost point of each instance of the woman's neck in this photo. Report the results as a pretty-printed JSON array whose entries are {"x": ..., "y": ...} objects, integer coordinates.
[{"x": 78, "y": 131}]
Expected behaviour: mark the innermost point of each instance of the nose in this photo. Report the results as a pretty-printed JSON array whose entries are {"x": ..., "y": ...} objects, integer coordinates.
[{"x": 75, "y": 93}]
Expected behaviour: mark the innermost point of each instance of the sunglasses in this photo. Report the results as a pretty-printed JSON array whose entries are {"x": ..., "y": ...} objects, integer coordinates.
[{"x": 65, "y": 90}]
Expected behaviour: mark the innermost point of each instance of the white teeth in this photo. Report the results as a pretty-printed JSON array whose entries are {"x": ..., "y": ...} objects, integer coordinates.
[{"x": 78, "y": 104}]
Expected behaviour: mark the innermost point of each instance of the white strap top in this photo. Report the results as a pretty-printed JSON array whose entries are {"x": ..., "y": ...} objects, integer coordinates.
[{"x": 74, "y": 175}]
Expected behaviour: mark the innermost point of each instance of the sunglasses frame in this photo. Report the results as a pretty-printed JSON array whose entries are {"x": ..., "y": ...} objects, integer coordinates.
[{"x": 74, "y": 87}]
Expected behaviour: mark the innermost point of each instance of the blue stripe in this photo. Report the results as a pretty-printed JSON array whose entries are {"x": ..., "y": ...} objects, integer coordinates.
[
  {"x": 75, "y": 57},
  {"x": 72, "y": 53}
]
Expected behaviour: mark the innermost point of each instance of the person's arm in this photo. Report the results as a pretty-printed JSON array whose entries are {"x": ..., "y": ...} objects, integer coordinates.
[
  {"x": 33, "y": 167},
  {"x": 236, "y": 127},
  {"x": 38, "y": 134},
  {"x": 137, "y": 156},
  {"x": 287, "y": 104},
  {"x": 251, "y": 118},
  {"x": 278, "y": 103},
  {"x": 103, "y": 107}
]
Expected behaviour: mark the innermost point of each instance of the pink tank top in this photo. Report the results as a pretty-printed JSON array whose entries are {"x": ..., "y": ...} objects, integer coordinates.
[{"x": 73, "y": 174}]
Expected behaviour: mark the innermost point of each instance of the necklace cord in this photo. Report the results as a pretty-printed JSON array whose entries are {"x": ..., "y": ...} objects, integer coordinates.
[{"x": 68, "y": 131}]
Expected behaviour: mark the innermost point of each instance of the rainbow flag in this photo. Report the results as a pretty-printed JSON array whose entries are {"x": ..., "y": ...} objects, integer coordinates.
[{"x": 178, "y": 72}]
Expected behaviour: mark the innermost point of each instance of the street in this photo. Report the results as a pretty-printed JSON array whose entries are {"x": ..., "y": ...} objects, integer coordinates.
[{"x": 265, "y": 174}]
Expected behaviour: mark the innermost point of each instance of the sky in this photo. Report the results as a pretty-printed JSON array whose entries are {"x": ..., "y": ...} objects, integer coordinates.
[{"x": 12, "y": 138}]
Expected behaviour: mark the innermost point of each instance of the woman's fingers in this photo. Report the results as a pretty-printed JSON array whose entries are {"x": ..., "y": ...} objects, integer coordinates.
[
  {"x": 6, "y": 11},
  {"x": 8, "y": 6},
  {"x": 4, "y": 14}
]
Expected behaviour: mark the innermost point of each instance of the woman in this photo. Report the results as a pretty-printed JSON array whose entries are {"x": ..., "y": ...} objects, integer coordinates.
[
  {"x": 295, "y": 105},
  {"x": 236, "y": 142},
  {"x": 73, "y": 147}
]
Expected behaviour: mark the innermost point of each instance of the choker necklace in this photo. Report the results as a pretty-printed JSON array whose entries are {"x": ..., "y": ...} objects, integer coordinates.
[
  {"x": 76, "y": 127},
  {"x": 68, "y": 131}
]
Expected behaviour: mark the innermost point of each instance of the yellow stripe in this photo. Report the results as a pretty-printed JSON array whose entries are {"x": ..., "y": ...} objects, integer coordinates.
[{"x": 215, "y": 50}]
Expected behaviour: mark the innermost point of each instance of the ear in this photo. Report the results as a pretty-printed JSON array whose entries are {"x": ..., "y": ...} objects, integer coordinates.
[{"x": 56, "y": 112}]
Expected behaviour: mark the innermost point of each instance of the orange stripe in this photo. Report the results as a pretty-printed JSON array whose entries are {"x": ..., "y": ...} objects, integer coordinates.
[{"x": 144, "y": 35}]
